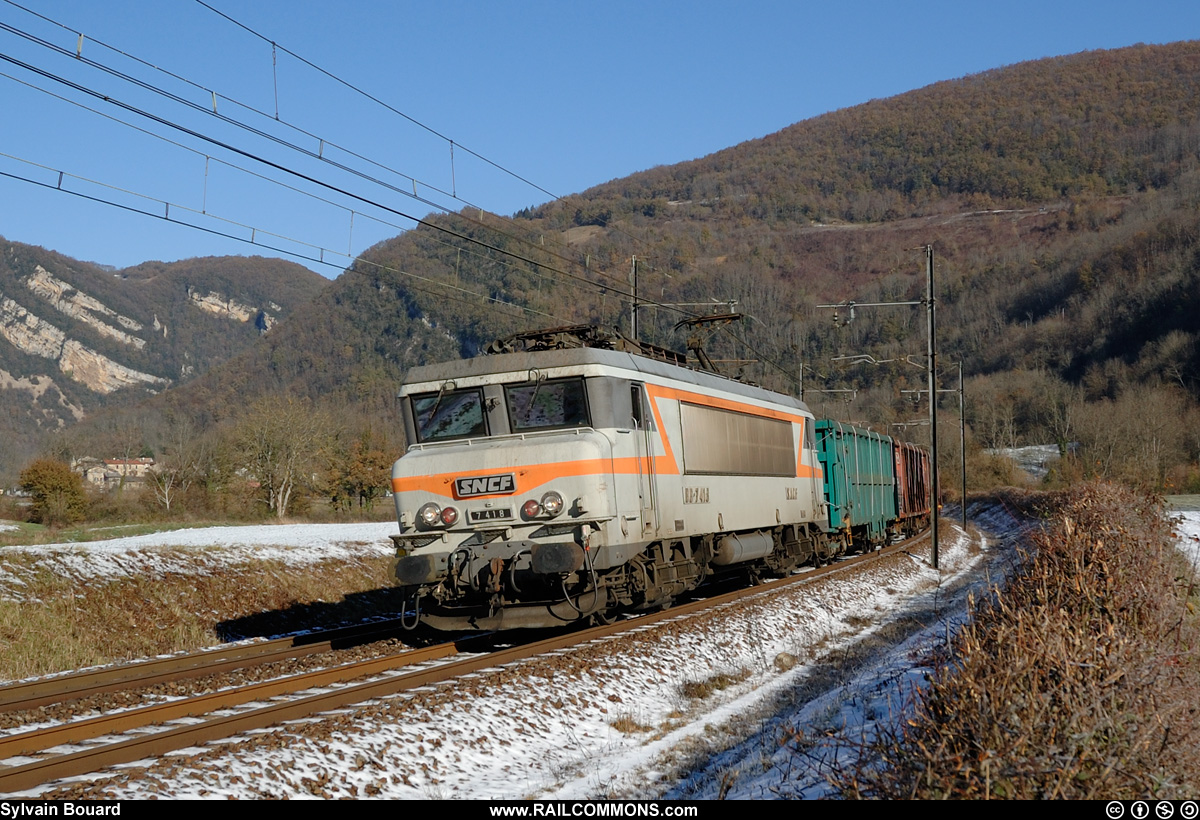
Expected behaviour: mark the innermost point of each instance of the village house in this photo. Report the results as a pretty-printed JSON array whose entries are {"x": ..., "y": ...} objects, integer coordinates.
[{"x": 112, "y": 471}]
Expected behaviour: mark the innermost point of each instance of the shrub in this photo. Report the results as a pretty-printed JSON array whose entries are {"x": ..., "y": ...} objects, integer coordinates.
[
  {"x": 1076, "y": 680},
  {"x": 56, "y": 492}
]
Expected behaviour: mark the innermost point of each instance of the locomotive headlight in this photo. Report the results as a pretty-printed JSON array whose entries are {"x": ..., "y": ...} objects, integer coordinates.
[
  {"x": 530, "y": 509},
  {"x": 430, "y": 515},
  {"x": 552, "y": 504},
  {"x": 449, "y": 516}
]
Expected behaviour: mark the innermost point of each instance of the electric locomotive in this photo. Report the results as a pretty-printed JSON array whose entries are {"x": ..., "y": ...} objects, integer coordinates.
[{"x": 575, "y": 473}]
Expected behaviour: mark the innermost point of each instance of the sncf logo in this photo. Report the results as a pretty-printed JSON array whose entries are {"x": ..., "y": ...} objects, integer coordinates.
[{"x": 485, "y": 485}]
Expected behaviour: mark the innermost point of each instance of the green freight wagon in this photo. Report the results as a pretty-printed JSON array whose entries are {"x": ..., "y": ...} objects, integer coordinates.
[{"x": 860, "y": 482}]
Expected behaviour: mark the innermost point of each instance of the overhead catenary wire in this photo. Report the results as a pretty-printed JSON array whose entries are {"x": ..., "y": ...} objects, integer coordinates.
[
  {"x": 618, "y": 289},
  {"x": 378, "y": 101},
  {"x": 78, "y": 56},
  {"x": 322, "y": 142},
  {"x": 257, "y": 132},
  {"x": 452, "y": 144},
  {"x": 536, "y": 264},
  {"x": 384, "y": 104},
  {"x": 319, "y": 155},
  {"x": 318, "y": 259},
  {"x": 215, "y": 96},
  {"x": 298, "y": 174},
  {"x": 242, "y": 169}
]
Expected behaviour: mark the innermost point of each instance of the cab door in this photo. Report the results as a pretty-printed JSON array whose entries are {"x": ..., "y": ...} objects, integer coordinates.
[{"x": 644, "y": 435}]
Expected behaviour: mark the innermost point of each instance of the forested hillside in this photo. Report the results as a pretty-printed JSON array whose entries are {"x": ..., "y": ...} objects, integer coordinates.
[
  {"x": 1094, "y": 123},
  {"x": 1061, "y": 197}
]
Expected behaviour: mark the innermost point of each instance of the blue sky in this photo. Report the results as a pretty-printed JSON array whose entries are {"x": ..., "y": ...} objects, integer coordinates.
[{"x": 567, "y": 95}]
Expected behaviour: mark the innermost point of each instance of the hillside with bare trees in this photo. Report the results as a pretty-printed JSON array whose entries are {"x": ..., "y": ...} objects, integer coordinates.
[{"x": 1062, "y": 198}]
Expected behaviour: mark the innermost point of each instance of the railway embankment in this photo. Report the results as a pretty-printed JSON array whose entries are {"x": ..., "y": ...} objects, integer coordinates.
[
  {"x": 65, "y": 606},
  {"x": 1075, "y": 680},
  {"x": 616, "y": 717}
]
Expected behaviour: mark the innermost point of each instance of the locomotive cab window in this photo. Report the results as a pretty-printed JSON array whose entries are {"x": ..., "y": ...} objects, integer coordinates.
[
  {"x": 449, "y": 415},
  {"x": 547, "y": 404},
  {"x": 642, "y": 412}
]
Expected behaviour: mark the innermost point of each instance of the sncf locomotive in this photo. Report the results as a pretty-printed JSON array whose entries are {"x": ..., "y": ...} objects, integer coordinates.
[{"x": 573, "y": 474}]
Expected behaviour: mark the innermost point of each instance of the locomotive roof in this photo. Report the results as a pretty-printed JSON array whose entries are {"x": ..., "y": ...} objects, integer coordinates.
[{"x": 522, "y": 362}]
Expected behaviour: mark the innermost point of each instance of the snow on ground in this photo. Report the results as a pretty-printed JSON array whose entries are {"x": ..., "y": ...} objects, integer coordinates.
[
  {"x": 1188, "y": 529},
  {"x": 614, "y": 719},
  {"x": 814, "y": 736},
  {"x": 813, "y": 672},
  {"x": 196, "y": 551},
  {"x": 1034, "y": 459}
]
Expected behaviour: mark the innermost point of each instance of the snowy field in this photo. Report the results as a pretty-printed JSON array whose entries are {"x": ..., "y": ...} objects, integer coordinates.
[
  {"x": 1188, "y": 528},
  {"x": 811, "y": 671},
  {"x": 1034, "y": 459},
  {"x": 199, "y": 550}
]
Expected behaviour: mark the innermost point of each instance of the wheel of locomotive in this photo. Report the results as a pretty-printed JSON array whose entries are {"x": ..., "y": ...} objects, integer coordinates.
[
  {"x": 603, "y": 617},
  {"x": 754, "y": 576}
]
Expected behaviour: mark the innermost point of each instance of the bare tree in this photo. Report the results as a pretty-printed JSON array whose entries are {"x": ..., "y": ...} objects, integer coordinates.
[
  {"x": 185, "y": 457},
  {"x": 282, "y": 443}
]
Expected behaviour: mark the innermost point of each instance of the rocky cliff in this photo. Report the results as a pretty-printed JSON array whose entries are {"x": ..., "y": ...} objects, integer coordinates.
[{"x": 75, "y": 337}]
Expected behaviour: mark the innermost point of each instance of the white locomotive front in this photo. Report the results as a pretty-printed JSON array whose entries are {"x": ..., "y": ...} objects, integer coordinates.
[{"x": 547, "y": 486}]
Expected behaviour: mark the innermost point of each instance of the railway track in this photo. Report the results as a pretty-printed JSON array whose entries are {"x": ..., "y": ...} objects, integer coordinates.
[
  {"x": 31, "y": 758},
  {"x": 75, "y": 685}
]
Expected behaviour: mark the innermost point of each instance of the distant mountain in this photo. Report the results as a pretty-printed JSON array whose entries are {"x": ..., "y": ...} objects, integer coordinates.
[
  {"x": 76, "y": 337},
  {"x": 1062, "y": 197}
]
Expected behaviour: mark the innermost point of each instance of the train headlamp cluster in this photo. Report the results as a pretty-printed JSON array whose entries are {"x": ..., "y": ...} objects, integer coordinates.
[
  {"x": 431, "y": 516},
  {"x": 550, "y": 506}
]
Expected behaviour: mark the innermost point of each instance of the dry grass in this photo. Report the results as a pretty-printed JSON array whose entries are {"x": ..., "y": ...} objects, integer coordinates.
[
  {"x": 715, "y": 683},
  {"x": 1077, "y": 681},
  {"x": 629, "y": 725},
  {"x": 62, "y": 625}
]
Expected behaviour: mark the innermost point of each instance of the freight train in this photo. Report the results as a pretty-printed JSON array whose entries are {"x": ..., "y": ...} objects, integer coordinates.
[{"x": 572, "y": 474}]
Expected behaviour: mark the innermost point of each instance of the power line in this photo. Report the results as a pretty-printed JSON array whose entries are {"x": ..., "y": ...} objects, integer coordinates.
[
  {"x": 377, "y": 101},
  {"x": 228, "y": 120},
  {"x": 321, "y": 141},
  {"x": 319, "y": 156},
  {"x": 213, "y": 112},
  {"x": 356, "y": 89},
  {"x": 618, "y": 290},
  {"x": 284, "y": 169},
  {"x": 78, "y": 56},
  {"x": 319, "y": 259},
  {"x": 242, "y": 169},
  {"x": 274, "y": 45}
]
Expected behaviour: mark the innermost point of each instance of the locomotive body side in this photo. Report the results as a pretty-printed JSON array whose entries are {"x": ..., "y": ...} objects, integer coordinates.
[{"x": 551, "y": 486}]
